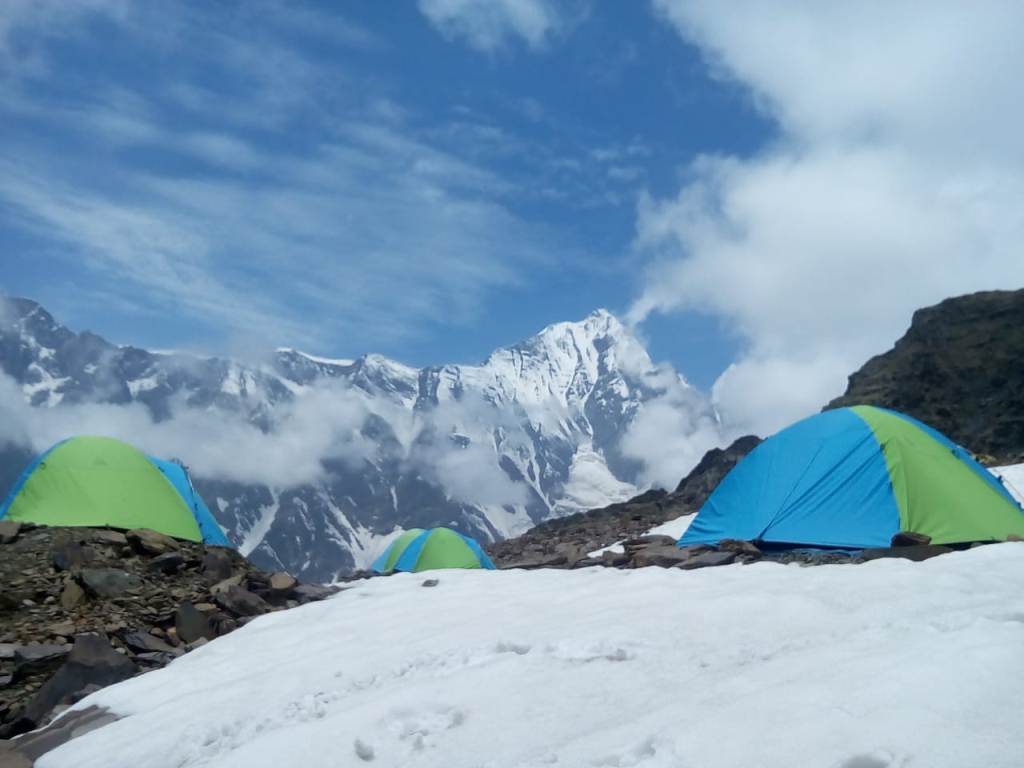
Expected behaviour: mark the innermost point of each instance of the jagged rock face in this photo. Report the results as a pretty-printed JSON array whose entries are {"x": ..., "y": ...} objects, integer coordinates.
[
  {"x": 958, "y": 368},
  {"x": 541, "y": 420}
]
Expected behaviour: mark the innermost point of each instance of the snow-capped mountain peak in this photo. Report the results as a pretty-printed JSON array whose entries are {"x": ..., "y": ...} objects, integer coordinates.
[{"x": 311, "y": 463}]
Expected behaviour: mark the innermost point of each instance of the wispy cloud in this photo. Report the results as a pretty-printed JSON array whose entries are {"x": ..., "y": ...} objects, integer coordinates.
[
  {"x": 218, "y": 205},
  {"x": 489, "y": 25}
]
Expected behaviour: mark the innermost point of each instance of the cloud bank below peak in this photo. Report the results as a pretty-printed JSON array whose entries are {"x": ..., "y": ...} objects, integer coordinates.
[{"x": 888, "y": 187}]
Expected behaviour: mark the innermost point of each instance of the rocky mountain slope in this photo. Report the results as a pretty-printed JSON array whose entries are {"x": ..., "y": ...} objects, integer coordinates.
[
  {"x": 960, "y": 368},
  {"x": 565, "y": 542},
  {"x": 311, "y": 463},
  {"x": 82, "y": 608}
]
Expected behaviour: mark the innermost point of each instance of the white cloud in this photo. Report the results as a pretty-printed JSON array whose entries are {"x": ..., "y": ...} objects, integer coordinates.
[
  {"x": 488, "y": 25},
  {"x": 894, "y": 182},
  {"x": 324, "y": 424},
  {"x": 670, "y": 432}
]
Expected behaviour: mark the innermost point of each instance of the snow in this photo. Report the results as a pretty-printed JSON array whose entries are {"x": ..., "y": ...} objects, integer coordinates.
[
  {"x": 591, "y": 483},
  {"x": 144, "y": 385},
  {"x": 883, "y": 665},
  {"x": 1013, "y": 479},
  {"x": 47, "y": 383},
  {"x": 674, "y": 528},
  {"x": 344, "y": 362}
]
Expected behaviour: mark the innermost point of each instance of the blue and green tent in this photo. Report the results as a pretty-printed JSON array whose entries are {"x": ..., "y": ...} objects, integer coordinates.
[
  {"x": 419, "y": 550},
  {"x": 100, "y": 481},
  {"x": 852, "y": 478}
]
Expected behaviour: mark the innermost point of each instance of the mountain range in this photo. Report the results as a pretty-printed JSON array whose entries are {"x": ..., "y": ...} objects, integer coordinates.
[{"x": 312, "y": 465}]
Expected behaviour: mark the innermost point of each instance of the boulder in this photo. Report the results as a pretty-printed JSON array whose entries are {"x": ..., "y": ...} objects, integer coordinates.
[
  {"x": 660, "y": 555},
  {"x": 147, "y": 542},
  {"x": 92, "y": 662},
  {"x": 71, "y": 595},
  {"x": 144, "y": 642},
  {"x": 9, "y": 530},
  {"x": 740, "y": 547},
  {"x": 309, "y": 593},
  {"x": 104, "y": 536},
  {"x": 228, "y": 583},
  {"x": 191, "y": 624},
  {"x": 168, "y": 563},
  {"x": 530, "y": 562},
  {"x": 216, "y": 565},
  {"x": 67, "y": 555},
  {"x": 35, "y": 656},
  {"x": 910, "y": 539},
  {"x": 708, "y": 559},
  {"x": 430, "y": 583},
  {"x": 109, "y": 582},
  {"x": 241, "y": 602},
  {"x": 282, "y": 583}
]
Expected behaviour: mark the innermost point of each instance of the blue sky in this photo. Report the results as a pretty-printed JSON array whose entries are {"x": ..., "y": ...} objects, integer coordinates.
[
  {"x": 227, "y": 176},
  {"x": 767, "y": 192}
]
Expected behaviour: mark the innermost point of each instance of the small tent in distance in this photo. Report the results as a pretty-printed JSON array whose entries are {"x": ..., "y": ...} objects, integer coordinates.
[
  {"x": 100, "y": 481},
  {"x": 419, "y": 550},
  {"x": 853, "y": 478}
]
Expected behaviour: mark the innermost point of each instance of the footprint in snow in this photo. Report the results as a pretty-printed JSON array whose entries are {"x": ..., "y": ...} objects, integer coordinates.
[{"x": 418, "y": 729}]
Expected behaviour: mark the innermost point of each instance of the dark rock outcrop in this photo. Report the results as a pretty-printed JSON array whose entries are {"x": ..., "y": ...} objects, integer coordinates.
[
  {"x": 958, "y": 368},
  {"x": 565, "y": 542}
]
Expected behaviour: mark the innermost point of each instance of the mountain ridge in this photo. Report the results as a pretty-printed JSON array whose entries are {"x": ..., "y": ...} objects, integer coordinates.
[{"x": 532, "y": 432}]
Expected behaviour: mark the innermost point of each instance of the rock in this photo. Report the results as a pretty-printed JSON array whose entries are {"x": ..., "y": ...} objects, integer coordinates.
[
  {"x": 103, "y": 536},
  {"x": 62, "y": 628},
  {"x": 537, "y": 561},
  {"x": 147, "y": 542},
  {"x": 67, "y": 555},
  {"x": 915, "y": 553},
  {"x": 615, "y": 559},
  {"x": 197, "y": 644},
  {"x": 228, "y": 583},
  {"x": 7, "y": 650},
  {"x": 241, "y": 602},
  {"x": 222, "y": 624},
  {"x": 430, "y": 583},
  {"x": 147, "y": 643},
  {"x": 109, "y": 582},
  {"x": 708, "y": 559},
  {"x": 5, "y": 680},
  {"x": 216, "y": 565},
  {"x": 91, "y": 662},
  {"x": 739, "y": 547},
  {"x": 9, "y": 530},
  {"x": 190, "y": 624},
  {"x": 71, "y": 595},
  {"x": 910, "y": 539},
  {"x": 282, "y": 583},
  {"x": 168, "y": 563},
  {"x": 309, "y": 593},
  {"x": 660, "y": 555},
  {"x": 38, "y": 655},
  {"x": 639, "y": 542}
]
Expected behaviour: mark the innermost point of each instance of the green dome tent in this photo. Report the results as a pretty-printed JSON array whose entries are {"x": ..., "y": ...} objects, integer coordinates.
[
  {"x": 100, "y": 481},
  {"x": 418, "y": 550}
]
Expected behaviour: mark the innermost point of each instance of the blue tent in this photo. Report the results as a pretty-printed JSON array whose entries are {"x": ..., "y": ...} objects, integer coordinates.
[
  {"x": 208, "y": 527},
  {"x": 852, "y": 478}
]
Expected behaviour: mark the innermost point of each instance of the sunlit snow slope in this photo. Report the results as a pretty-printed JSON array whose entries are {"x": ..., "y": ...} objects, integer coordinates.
[{"x": 885, "y": 664}]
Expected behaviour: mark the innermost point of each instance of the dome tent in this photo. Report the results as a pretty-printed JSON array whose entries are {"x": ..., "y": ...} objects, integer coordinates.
[
  {"x": 418, "y": 550},
  {"x": 853, "y": 478},
  {"x": 100, "y": 481}
]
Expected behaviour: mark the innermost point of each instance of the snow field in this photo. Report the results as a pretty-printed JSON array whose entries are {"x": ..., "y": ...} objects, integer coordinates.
[{"x": 883, "y": 665}]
